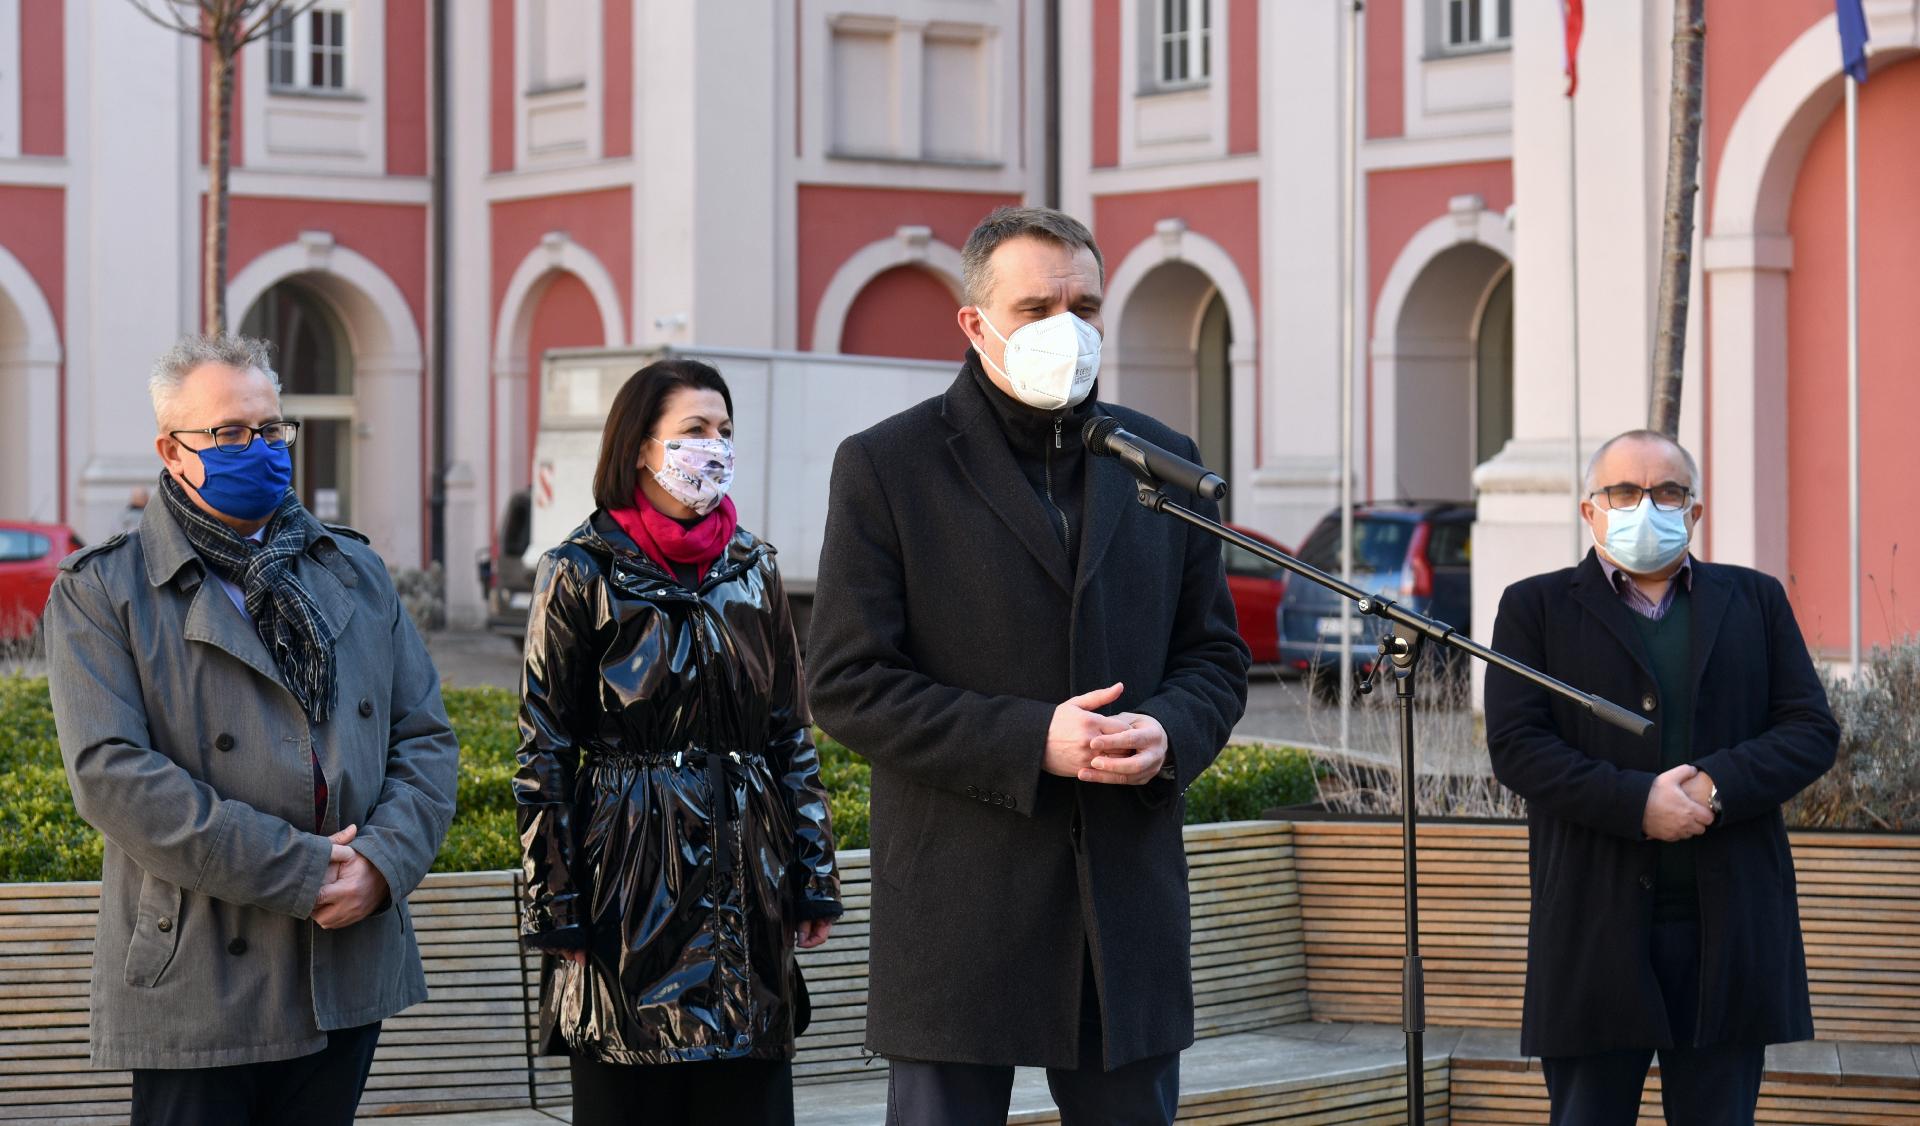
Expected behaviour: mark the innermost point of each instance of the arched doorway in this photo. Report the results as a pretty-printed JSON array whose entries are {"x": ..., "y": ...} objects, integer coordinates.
[
  {"x": 1443, "y": 394},
  {"x": 1171, "y": 357},
  {"x": 30, "y": 450},
  {"x": 563, "y": 315},
  {"x": 904, "y": 311},
  {"x": 350, "y": 358},
  {"x": 315, "y": 363},
  {"x": 1493, "y": 370},
  {"x": 1815, "y": 500}
]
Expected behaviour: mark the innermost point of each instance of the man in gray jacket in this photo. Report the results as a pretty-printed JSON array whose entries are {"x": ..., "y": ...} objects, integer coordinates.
[{"x": 250, "y": 720}]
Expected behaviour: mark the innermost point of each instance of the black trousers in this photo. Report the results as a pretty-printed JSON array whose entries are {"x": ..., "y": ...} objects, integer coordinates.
[
  {"x": 1143, "y": 1093},
  {"x": 715, "y": 1092},
  {"x": 322, "y": 1089},
  {"x": 1710, "y": 1086}
]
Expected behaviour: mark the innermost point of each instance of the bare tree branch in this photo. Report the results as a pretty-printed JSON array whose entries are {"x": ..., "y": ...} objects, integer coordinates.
[
  {"x": 276, "y": 11},
  {"x": 173, "y": 21}
]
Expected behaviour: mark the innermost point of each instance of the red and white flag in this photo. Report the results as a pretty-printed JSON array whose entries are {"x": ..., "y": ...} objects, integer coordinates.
[{"x": 1573, "y": 17}]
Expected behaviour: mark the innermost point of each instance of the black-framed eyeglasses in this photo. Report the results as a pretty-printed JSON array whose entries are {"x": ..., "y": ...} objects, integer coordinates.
[
  {"x": 236, "y": 437},
  {"x": 1667, "y": 496}
]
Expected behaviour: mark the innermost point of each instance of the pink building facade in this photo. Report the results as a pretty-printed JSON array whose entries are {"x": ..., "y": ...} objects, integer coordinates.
[{"x": 652, "y": 172}]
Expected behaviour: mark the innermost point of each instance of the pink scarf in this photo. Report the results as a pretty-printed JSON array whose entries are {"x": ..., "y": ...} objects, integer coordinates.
[{"x": 666, "y": 541}]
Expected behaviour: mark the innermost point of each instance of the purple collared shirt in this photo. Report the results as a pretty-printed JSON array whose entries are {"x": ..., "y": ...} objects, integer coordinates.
[{"x": 1635, "y": 598}]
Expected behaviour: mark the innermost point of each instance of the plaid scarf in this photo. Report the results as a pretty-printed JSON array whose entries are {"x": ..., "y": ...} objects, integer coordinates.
[{"x": 284, "y": 613}]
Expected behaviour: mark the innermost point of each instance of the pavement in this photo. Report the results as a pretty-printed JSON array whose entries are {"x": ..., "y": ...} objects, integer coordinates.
[{"x": 1304, "y": 1054}]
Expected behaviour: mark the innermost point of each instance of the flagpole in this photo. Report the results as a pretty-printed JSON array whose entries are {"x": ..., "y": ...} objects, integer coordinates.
[
  {"x": 1573, "y": 255},
  {"x": 1853, "y": 372},
  {"x": 1350, "y": 196}
]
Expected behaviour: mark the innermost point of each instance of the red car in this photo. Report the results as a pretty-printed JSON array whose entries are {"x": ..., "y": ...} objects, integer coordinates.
[
  {"x": 1257, "y": 587},
  {"x": 30, "y": 556}
]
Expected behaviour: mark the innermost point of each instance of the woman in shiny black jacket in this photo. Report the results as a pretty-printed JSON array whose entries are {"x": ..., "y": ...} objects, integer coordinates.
[{"x": 676, "y": 839}]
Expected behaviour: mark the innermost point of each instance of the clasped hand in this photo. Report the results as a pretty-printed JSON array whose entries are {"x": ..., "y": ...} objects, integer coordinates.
[
  {"x": 353, "y": 888},
  {"x": 1677, "y": 805},
  {"x": 1127, "y": 749}
]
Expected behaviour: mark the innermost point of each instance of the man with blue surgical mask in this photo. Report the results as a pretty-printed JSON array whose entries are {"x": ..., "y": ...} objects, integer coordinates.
[
  {"x": 249, "y": 719},
  {"x": 1663, "y": 916},
  {"x": 1037, "y": 667}
]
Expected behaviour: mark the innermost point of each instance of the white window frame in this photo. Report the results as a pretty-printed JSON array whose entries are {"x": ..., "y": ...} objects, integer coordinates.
[
  {"x": 10, "y": 110},
  {"x": 1487, "y": 12},
  {"x": 1193, "y": 44},
  {"x": 301, "y": 29}
]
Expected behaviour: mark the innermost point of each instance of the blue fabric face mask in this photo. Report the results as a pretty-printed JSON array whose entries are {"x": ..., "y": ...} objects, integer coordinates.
[
  {"x": 247, "y": 484},
  {"x": 1645, "y": 539}
]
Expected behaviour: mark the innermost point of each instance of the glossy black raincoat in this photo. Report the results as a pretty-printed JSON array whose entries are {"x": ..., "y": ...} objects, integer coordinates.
[{"x": 671, "y": 813}]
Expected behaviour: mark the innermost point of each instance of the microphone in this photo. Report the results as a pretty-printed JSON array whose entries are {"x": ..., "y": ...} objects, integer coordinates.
[{"x": 1149, "y": 462}]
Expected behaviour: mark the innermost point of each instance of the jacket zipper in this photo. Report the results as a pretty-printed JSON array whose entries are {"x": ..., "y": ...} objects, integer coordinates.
[{"x": 1066, "y": 531}]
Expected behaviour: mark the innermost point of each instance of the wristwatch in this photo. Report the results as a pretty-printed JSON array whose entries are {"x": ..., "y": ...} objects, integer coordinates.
[{"x": 1713, "y": 802}]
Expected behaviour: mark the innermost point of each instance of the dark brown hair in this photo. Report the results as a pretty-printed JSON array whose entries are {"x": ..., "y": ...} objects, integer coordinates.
[
  {"x": 636, "y": 411},
  {"x": 1003, "y": 223}
]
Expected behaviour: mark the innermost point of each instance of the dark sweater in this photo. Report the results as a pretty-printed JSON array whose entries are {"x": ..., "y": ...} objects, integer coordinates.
[
  {"x": 1670, "y": 648},
  {"x": 1048, "y": 449}
]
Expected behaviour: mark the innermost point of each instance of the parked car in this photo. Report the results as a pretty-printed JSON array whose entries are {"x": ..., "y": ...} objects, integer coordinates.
[
  {"x": 504, "y": 574},
  {"x": 1417, "y": 553},
  {"x": 1257, "y": 587},
  {"x": 30, "y": 556}
]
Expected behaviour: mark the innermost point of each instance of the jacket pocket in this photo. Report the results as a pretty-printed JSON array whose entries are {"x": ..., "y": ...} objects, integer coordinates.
[{"x": 156, "y": 932}]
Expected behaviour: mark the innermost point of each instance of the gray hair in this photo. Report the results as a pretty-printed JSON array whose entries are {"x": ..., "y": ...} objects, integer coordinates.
[
  {"x": 1593, "y": 463},
  {"x": 193, "y": 351},
  {"x": 1003, "y": 223}
]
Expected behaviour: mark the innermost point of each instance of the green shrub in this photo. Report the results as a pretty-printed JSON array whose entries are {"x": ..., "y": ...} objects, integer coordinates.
[{"x": 42, "y": 838}]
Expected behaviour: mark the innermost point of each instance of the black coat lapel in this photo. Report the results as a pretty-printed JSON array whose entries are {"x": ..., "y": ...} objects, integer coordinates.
[
  {"x": 987, "y": 463},
  {"x": 1111, "y": 492},
  {"x": 1592, "y": 590},
  {"x": 1710, "y": 593}
]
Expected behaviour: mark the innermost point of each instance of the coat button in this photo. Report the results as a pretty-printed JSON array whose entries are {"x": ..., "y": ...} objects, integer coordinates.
[
  {"x": 1647, "y": 702},
  {"x": 366, "y": 709},
  {"x": 224, "y": 742},
  {"x": 237, "y": 947},
  {"x": 165, "y": 924},
  {"x": 1646, "y": 881},
  {"x": 973, "y": 791},
  {"x": 1010, "y": 804}
]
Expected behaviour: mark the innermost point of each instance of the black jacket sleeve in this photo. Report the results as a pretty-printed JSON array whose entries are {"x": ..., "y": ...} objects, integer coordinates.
[
  {"x": 558, "y": 657},
  {"x": 1529, "y": 755},
  {"x": 1204, "y": 692},
  {"x": 1801, "y": 738},
  {"x": 866, "y": 690}
]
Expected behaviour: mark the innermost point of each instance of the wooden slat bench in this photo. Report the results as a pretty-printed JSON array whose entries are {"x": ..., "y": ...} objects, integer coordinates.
[
  {"x": 1296, "y": 955},
  {"x": 1859, "y": 908},
  {"x": 465, "y": 1048}
]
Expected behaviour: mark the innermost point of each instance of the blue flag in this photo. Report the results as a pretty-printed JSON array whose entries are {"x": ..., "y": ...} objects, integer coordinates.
[{"x": 1853, "y": 37}]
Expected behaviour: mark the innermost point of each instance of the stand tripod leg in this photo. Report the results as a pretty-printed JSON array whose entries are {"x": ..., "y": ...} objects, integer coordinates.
[{"x": 1413, "y": 1015}]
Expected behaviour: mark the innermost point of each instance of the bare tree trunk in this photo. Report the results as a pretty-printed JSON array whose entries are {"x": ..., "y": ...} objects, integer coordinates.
[
  {"x": 1676, "y": 239},
  {"x": 219, "y": 142}
]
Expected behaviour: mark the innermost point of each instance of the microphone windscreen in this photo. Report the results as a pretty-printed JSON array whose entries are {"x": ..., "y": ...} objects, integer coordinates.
[{"x": 1095, "y": 432}]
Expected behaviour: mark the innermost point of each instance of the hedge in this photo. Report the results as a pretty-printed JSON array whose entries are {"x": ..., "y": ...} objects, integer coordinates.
[{"x": 42, "y": 838}]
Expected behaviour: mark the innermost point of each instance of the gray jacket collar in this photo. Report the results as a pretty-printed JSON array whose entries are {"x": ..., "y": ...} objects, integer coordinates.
[{"x": 167, "y": 550}]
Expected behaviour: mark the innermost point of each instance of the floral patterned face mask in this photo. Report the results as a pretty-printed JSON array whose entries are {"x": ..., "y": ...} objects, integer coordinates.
[{"x": 696, "y": 471}]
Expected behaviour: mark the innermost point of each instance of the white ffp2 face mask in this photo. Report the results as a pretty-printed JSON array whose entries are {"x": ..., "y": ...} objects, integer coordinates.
[{"x": 1051, "y": 364}]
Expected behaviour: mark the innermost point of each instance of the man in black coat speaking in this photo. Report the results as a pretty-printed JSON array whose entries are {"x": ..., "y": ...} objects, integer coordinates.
[
  {"x": 1664, "y": 916},
  {"x": 1037, "y": 668}
]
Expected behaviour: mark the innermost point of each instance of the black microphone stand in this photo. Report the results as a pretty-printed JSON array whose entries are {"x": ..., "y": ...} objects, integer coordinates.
[{"x": 1400, "y": 646}]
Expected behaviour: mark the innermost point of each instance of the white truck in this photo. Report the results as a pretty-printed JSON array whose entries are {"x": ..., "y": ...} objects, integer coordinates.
[{"x": 790, "y": 412}]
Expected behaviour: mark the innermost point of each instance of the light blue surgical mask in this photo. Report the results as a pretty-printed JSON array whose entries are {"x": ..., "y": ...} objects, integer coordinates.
[{"x": 1645, "y": 539}]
